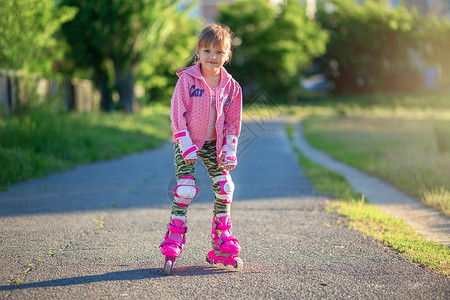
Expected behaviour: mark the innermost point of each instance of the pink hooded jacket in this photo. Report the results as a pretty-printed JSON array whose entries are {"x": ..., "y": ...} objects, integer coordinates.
[{"x": 191, "y": 101}]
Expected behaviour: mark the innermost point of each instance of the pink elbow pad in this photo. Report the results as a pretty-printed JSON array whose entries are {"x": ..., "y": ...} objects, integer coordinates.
[{"x": 188, "y": 149}]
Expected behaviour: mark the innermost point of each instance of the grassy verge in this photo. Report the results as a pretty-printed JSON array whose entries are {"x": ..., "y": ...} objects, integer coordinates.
[
  {"x": 363, "y": 216},
  {"x": 411, "y": 154},
  {"x": 402, "y": 139},
  {"x": 43, "y": 142}
]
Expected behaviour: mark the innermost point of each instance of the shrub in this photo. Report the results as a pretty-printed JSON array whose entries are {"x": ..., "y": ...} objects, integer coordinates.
[
  {"x": 435, "y": 35},
  {"x": 273, "y": 45},
  {"x": 369, "y": 47}
]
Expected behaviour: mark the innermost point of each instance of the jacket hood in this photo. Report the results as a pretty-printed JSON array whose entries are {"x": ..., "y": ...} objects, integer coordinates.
[{"x": 195, "y": 72}]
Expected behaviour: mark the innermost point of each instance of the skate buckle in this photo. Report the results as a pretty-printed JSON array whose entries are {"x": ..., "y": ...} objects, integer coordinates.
[{"x": 172, "y": 228}]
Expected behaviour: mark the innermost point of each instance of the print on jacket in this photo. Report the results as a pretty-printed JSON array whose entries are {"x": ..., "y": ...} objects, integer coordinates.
[{"x": 195, "y": 92}]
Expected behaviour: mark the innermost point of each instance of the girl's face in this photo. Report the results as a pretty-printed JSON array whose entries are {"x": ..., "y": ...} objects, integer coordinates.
[{"x": 213, "y": 57}]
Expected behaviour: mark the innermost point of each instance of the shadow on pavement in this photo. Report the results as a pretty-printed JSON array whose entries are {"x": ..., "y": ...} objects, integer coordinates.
[
  {"x": 120, "y": 276},
  {"x": 112, "y": 276}
]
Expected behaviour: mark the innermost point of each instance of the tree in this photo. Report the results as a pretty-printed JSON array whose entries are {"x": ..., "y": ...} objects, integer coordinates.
[
  {"x": 369, "y": 47},
  {"x": 435, "y": 35},
  {"x": 158, "y": 67},
  {"x": 111, "y": 38},
  {"x": 28, "y": 48},
  {"x": 273, "y": 45},
  {"x": 26, "y": 34}
]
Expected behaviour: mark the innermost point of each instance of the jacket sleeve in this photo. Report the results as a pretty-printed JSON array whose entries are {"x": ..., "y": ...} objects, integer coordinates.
[
  {"x": 233, "y": 113},
  {"x": 178, "y": 106}
]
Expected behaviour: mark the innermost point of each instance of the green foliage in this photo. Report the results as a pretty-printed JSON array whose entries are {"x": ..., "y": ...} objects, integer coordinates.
[
  {"x": 369, "y": 46},
  {"x": 435, "y": 35},
  {"x": 111, "y": 39},
  {"x": 273, "y": 45},
  {"x": 157, "y": 69},
  {"x": 42, "y": 142},
  {"x": 27, "y": 29}
]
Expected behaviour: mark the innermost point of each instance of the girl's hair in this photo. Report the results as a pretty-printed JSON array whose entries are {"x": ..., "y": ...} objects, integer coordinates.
[{"x": 219, "y": 35}]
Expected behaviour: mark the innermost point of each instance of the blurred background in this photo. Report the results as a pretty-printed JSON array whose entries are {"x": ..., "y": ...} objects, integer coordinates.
[
  {"x": 120, "y": 55},
  {"x": 83, "y": 80}
]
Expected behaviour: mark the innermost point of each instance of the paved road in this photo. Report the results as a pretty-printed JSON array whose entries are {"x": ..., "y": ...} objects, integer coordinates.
[{"x": 94, "y": 232}]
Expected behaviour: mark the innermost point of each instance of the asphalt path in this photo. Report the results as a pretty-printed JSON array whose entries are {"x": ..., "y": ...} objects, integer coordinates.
[{"x": 94, "y": 232}]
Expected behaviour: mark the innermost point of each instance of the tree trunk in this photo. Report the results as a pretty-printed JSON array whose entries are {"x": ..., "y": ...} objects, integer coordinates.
[
  {"x": 69, "y": 95},
  {"x": 12, "y": 93},
  {"x": 106, "y": 102},
  {"x": 125, "y": 85}
]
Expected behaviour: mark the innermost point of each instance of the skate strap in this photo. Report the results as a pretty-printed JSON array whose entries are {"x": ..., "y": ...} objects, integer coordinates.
[
  {"x": 227, "y": 239},
  {"x": 223, "y": 226},
  {"x": 174, "y": 229},
  {"x": 169, "y": 241},
  {"x": 222, "y": 178}
]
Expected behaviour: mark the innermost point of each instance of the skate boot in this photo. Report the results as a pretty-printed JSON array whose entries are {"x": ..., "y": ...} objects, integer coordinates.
[
  {"x": 225, "y": 246},
  {"x": 172, "y": 246}
]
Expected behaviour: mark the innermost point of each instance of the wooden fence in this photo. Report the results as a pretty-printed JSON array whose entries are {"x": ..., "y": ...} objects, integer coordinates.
[{"x": 17, "y": 89}]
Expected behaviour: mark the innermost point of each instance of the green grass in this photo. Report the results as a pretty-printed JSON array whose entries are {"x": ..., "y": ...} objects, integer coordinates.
[
  {"x": 402, "y": 139},
  {"x": 401, "y": 107},
  {"x": 395, "y": 233},
  {"x": 42, "y": 142},
  {"x": 332, "y": 184},
  {"x": 404, "y": 152},
  {"x": 420, "y": 102},
  {"x": 365, "y": 217}
]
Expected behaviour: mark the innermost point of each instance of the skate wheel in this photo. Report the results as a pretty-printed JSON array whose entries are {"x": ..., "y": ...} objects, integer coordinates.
[
  {"x": 211, "y": 262},
  {"x": 168, "y": 267},
  {"x": 238, "y": 264}
]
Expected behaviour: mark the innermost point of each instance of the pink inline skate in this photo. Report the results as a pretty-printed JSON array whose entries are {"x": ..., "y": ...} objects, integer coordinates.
[
  {"x": 173, "y": 241},
  {"x": 225, "y": 246}
]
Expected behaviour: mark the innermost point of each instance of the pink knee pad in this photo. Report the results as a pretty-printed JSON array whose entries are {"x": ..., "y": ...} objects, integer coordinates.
[
  {"x": 226, "y": 187},
  {"x": 185, "y": 191}
]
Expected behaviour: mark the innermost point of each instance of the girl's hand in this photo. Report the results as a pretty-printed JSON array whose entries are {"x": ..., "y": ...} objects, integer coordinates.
[
  {"x": 227, "y": 167},
  {"x": 190, "y": 161}
]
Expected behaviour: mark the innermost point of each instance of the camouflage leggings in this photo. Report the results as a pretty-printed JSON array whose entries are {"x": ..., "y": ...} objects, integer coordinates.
[{"x": 209, "y": 158}]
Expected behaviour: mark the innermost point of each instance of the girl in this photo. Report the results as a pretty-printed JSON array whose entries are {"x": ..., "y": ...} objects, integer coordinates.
[{"x": 206, "y": 111}]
